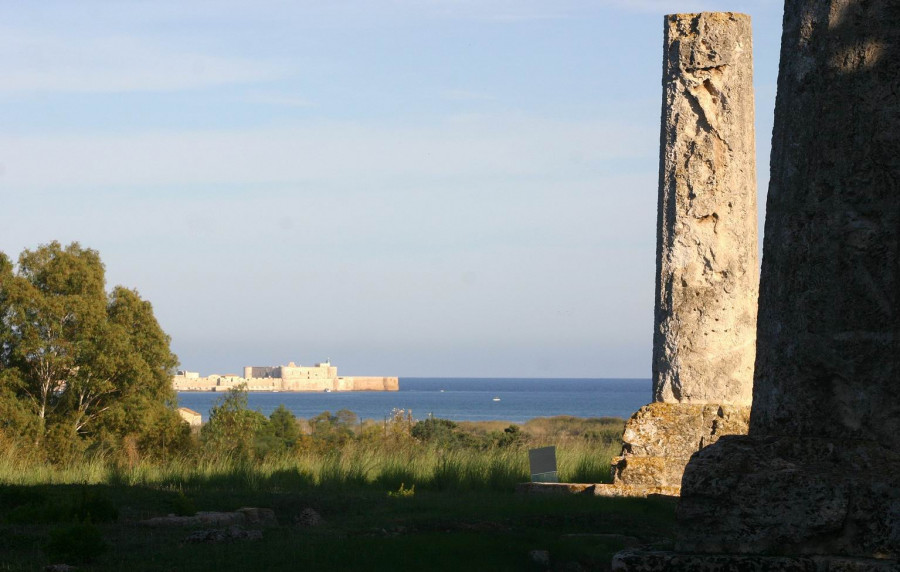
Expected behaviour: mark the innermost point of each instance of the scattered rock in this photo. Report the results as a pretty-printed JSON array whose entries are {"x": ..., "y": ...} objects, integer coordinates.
[
  {"x": 626, "y": 541},
  {"x": 259, "y": 516},
  {"x": 484, "y": 526},
  {"x": 243, "y": 516},
  {"x": 308, "y": 517},
  {"x": 541, "y": 557},
  {"x": 220, "y": 535}
]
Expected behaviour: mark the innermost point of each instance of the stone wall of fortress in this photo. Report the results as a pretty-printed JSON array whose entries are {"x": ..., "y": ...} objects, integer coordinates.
[{"x": 322, "y": 377}]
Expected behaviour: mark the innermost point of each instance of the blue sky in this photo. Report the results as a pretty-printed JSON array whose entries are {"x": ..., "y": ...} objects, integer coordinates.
[{"x": 414, "y": 188}]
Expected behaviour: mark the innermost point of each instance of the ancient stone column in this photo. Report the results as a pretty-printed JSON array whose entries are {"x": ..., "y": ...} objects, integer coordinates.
[
  {"x": 706, "y": 258},
  {"x": 817, "y": 480},
  {"x": 707, "y": 261},
  {"x": 828, "y": 361}
]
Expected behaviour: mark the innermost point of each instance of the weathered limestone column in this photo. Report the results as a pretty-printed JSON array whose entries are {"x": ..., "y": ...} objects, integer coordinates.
[
  {"x": 706, "y": 243},
  {"x": 706, "y": 260},
  {"x": 817, "y": 480},
  {"x": 828, "y": 361}
]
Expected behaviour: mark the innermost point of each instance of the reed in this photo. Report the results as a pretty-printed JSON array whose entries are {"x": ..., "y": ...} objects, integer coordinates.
[
  {"x": 353, "y": 466},
  {"x": 487, "y": 460}
]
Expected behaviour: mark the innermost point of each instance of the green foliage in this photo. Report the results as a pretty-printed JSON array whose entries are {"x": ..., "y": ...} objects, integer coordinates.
[
  {"x": 80, "y": 543},
  {"x": 28, "y": 506},
  {"x": 276, "y": 435},
  {"x": 362, "y": 530},
  {"x": 92, "y": 506},
  {"x": 512, "y": 436},
  {"x": 333, "y": 429},
  {"x": 284, "y": 426},
  {"x": 434, "y": 430},
  {"x": 62, "y": 445},
  {"x": 403, "y": 492},
  {"x": 450, "y": 435},
  {"x": 591, "y": 469},
  {"x": 233, "y": 429},
  {"x": 607, "y": 430},
  {"x": 182, "y": 505},
  {"x": 483, "y": 456},
  {"x": 78, "y": 364},
  {"x": 13, "y": 497}
]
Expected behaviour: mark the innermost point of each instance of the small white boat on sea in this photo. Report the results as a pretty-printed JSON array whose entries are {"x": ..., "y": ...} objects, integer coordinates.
[{"x": 496, "y": 399}]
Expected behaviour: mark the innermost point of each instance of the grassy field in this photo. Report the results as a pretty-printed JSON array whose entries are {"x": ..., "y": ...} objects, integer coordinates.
[{"x": 386, "y": 504}]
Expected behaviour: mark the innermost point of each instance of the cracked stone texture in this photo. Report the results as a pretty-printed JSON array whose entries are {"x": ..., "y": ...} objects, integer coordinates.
[
  {"x": 829, "y": 329},
  {"x": 681, "y": 429},
  {"x": 660, "y": 438},
  {"x": 597, "y": 489},
  {"x": 707, "y": 260},
  {"x": 790, "y": 495},
  {"x": 651, "y": 471},
  {"x": 705, "y": 315},
  {"x": 660, "y": 561},
  {"x": 819, "y": 473}
]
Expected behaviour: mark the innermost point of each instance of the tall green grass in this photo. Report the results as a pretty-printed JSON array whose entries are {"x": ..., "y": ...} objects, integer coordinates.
[{"x": 353, "y": 465}]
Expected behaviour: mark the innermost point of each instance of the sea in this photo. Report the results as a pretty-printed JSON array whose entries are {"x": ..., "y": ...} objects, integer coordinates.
[{"x": 459, "y": 399}]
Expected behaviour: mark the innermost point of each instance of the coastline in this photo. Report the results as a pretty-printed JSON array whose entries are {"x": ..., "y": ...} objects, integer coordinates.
[{"x": 457, "y": 399}]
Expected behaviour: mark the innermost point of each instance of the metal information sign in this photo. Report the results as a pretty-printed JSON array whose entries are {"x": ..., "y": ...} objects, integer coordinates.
[{"x": 543, "y": 465}]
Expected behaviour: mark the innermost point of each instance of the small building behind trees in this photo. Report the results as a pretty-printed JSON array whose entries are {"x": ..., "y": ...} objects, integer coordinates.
[{"x": 190, "y": 417}]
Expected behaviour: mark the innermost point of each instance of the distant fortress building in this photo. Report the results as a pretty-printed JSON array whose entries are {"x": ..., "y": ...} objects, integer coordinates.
[{"x": 290, "y": 377}]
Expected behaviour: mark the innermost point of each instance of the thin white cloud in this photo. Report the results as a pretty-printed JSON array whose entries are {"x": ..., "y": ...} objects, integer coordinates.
[{"x": 34, "y": 62}]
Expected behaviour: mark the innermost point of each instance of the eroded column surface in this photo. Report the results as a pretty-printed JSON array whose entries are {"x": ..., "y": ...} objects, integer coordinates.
[
  {"x": 829, "y": 331},
  {"x": 706, "y": 284},
  {"x": 705, "y": 318},
  {"x": 819, "y": 472}
]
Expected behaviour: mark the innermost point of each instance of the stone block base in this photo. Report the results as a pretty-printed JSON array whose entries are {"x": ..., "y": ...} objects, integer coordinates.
[
  {"x": 679, "y": 430},
  {"x": 640, "y": 491},
  {"x": 660, "y": 438},
  {"x": 791, "y": 496},
  {"x": 648, "y": 471},
  {"x": 555, "y": 488},
  {"x": 651, "y": 561},
  {"x": 600, "y": 490}
]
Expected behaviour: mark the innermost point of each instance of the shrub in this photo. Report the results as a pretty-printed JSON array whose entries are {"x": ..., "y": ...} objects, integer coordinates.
[
  {"x": 511, "y": 437},
  {"x": 182, "y": 505},
  {"x": 79, "y": 543},
  {"x": 232, "y": 426},
  {"x": 32, "y": 507},
  {"x": 38, "y": 513},
  {"x": 94, "y": 507},
  {"x": 62, "y": 445},
  {"x": 13, "y": 497},
  {"x": 403, "y": 492},
  {"x": 434, "y": 430}
]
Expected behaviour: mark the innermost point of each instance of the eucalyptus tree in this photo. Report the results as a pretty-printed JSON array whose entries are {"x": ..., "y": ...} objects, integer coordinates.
[{"x": 78, "y": 359}]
